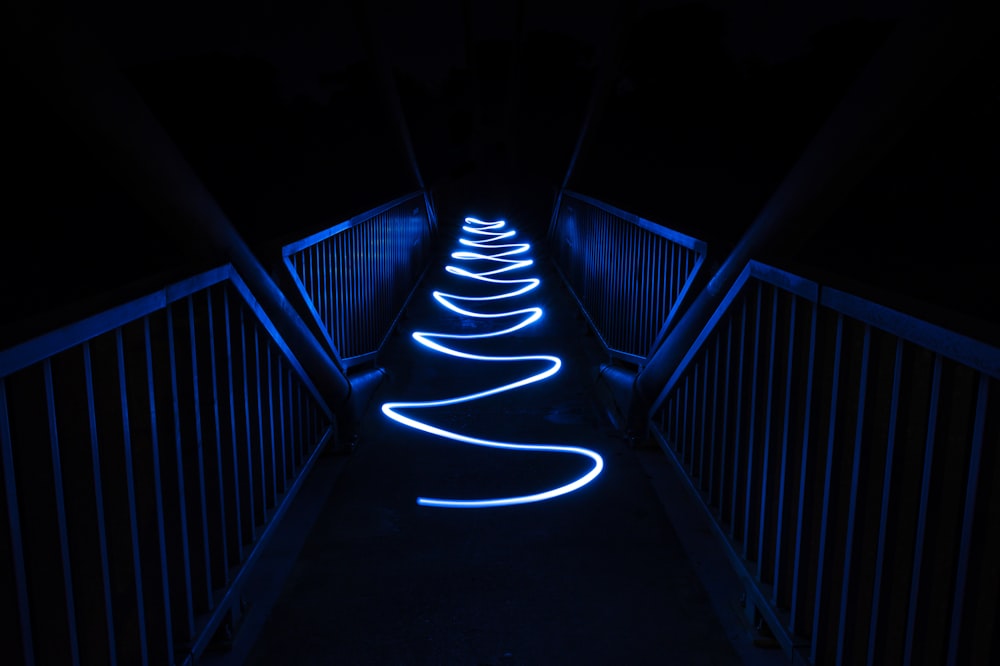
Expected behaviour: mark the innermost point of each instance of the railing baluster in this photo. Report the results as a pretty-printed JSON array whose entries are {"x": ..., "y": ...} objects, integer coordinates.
[
  {"x": 968, "y": 519},
  {"x": 734, "y": 524},
  {"x": 828, "y": 480},
  {"x": 713, "y": 439},
  {"x": 186, "y": 610},
  {"x": 246, "y": 485},
  {"x": 26, "y": 647},
  {"x": 925, "y": 497},
  {"x": 777, "y": 591},
  {"x": 232, "y": 463},
  {"x": 726, "y": 417},
  {"x": 205, "y": 566},
  {"x": 140, "y": 615},
  {"x": 798, "y": 614},
  {"x": 887, "y": 488},
  {"x": 159, "y": 537},
  {"x": 272, "y": 499},
  {"x": 751, "y": 434},
  {"x": 765, "y": 472},
  {"x": 845, "y": 589},
  {"x": 220, "y": 562}
]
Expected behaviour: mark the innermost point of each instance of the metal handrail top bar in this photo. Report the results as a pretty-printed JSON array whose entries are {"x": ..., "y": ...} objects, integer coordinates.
[
  {"x": 360, "y": 218},
  {"x": 48, "y": 344},
  {"x": 643, "y": 223},
  {"x": 977, "y": 355}
]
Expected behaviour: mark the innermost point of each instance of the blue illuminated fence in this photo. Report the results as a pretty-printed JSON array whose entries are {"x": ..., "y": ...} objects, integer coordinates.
[
  {"x": 848, "y": 455},
  {"x": 358, "y": 275},
  {"x": 628, "y": 274},
  {"x": 146, "y": 454}
]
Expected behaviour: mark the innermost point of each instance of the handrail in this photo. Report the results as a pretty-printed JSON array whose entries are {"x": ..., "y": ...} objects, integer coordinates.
[
  {"x": 147, "y": 453},
  {"x": 631, "y": 295},
  {"x": 831, "y": 441},
  {"x": 357, "y": 276}
]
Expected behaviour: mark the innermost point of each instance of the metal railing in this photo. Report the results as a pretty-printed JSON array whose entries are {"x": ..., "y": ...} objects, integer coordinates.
[
  {"x": 628, "y": 274},
  {"x": 848, "y": 457},
  {"x": 146, "y": 454},
  {"x": 357, "y": 276}
]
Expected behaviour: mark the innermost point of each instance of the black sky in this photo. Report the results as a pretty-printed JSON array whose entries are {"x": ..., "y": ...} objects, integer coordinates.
[{"x": 708, "y": 105}]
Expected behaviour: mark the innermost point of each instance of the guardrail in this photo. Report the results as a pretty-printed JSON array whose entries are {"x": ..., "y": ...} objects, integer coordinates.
[
  {"x": 848, "y": 457},
  {"x": 357, "y": 276},
  {"x": 146, "y": 453},
  {"x": 629, "y": 275}
]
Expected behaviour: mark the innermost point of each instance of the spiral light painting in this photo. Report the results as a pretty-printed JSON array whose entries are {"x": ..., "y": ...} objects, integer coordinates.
[{"x": 485, "y": 243}]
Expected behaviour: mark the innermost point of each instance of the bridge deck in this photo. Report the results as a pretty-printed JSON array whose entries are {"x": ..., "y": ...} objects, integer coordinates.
[{"x": 360, "y": 574}]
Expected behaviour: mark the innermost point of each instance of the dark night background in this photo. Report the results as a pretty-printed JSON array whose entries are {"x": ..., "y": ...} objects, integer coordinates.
[{"x": 708, "y": 105}]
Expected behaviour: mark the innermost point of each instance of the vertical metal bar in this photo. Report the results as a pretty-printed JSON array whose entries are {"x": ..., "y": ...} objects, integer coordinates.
[
  {"x": 604, "y": 291},
  {"x": 631, "y": 325},
  {"x": 622, "y": 295},
  {"x": 132, "y": 509},
  {"x": 364, "y": 288},
  {"x": 281, "y": 422},
  {"x": 231, "y": 391},
  {"x": 737, "y": 433},
  {"x": 827, "y": 487},
  {"x": 672, "y": 267},
  {"x": 158, "y": 491},
  {"x": 301, "y": 427},
  {"x": 351, "y": 292},
  {"x": 337, "y": 301},
  {"x": 748, "y": 491},
  {"x": 181, "y": 499},
  {"x": 883, "y": 529},
  {"x": 60, "y": 507},
  {"x": 313, "y": 277},
  {"x": 270, "y": 422},
  {"x": 713, "y": 440},
  {"x": 651, "y": 285},
  {"x": 330, "y": 289},
  {"x": 918, "y": 544},
  {"x": 779, "y": 531},
  {"x": 852, "y": 510},
  {"x": 247, "y": 446},
  {"x": 704, "y": 409},
  {"x": 766, "y": 444},
  {"x": 600, "y": 276},
  {"x": 968, "y": 520},
  {"x": 321, "y": 293},
  {"x": 200, "y": 444},
  {"x": 260, "y": 424},
  {"x": 14, "y": 525},
  {"x": 223, "y": 539},
  {"x": 682, "y": 441},
  {"x": 793, "y": 625},
  {"x": 95, "y": 458},
  {"x": 723, "y": 440}
]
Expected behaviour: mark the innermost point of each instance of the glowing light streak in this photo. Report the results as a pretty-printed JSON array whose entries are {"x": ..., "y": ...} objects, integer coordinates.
[{"x": 490, "y": 250}]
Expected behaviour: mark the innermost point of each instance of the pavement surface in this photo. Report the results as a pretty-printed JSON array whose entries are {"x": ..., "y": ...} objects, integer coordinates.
[{"x": 361, "y": 574}]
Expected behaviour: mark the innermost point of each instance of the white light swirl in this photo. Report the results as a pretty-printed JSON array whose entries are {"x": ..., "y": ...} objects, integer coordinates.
[{"x": 487, "y": 247}]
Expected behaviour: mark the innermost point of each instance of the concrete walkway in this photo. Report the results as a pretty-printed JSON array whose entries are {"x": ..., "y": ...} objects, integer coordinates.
[{"x": 361, "y": 574}]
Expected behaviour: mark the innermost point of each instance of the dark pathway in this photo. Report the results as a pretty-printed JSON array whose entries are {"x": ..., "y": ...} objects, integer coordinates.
[{"x": 598, "y": 576}]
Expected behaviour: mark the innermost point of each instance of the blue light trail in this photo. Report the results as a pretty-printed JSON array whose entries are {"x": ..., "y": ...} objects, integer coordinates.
[{"x": 487, "y": 246}]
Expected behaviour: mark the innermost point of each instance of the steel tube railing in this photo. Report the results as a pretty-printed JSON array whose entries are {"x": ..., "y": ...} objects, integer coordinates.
[
  {"x": 842, "y": 457},
  {"x": 628, "y": 274},
  {"x": 146, "y": 451},
  {"x": 356, "y": 277}
]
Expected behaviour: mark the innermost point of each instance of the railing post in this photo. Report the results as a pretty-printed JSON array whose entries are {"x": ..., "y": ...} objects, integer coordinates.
[
  {"x": 915, "y": 64},
  {"x": 71, "y": 68}
]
